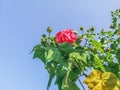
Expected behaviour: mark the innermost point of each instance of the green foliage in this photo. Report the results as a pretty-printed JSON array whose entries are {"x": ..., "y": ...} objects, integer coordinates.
[{"x": 66, "y": 63}]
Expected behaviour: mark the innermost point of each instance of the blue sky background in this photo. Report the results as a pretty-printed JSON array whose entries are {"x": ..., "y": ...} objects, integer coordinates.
[{"x": 23, "y": 21}]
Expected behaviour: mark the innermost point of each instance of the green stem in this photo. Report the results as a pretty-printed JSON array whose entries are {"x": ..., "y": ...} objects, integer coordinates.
[
  {"x": 81, "y": 68},
  {"x": 68, "y": 73}
]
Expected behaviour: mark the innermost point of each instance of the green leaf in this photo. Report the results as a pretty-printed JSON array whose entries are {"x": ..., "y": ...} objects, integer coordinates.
[
  {"x": 65, "y": 48},
  {"x": 68, "y": 82},
  {"x": 60, "y": 74},
  {"x": 73, "y": 86},
  {"x": 118, "y": 40},
  {"x": 113, "y": 46},
  {"x": 97, "y": 45},
  {"x": 109, "y": 33},
  {"x": 49, "y": 54},
  {"x": 88, "y": 36},
  {"x": 118, "y": 55},
  {"x": 39, "y": 52},
  {"x": 74, "y": 74},
  {"x": 79, "y": 58},
  {"x": 102, "y": 40},
  {"x": 52, "y": 53},
  {"x": 51, "y": 67},
  {"x": 114, "y": 70},
  {"x": 98, "y": 63}
]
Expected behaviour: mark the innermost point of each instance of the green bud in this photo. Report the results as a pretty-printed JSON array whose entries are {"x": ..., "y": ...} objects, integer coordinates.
[
  {"x": 81, "y": 28},
  {"x": 111, "y": 12},
  {"x": 88, "y": 31},
  {"x": 43, "y": 35},
  {"x": 92, "y": 29},
  {"x": 108, "y": 49},
  {"x": 49, "y": 29},
  {"x": 43, "y": 40},
  {"x": 112, "y": 26},
  {"x": 75, "y": 32}
]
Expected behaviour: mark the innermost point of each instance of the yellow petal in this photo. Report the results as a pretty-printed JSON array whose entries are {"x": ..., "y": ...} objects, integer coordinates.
[{"x": 102, "y": 81}]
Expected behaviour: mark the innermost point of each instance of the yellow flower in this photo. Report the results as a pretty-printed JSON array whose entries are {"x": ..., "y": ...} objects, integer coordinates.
[{"x": 102, "y": 81}]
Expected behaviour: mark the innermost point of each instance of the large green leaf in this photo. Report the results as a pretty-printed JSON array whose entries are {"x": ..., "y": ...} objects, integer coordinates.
[
  {"x": 52, "y": 53},
  {"x": 65, "y": 48}
]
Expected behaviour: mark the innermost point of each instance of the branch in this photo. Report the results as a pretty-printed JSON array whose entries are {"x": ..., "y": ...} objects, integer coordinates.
[
  {"x": 78, "y": 64},
  {"x": 86, "y": 40},
  {"x": 81, "y": 84}
]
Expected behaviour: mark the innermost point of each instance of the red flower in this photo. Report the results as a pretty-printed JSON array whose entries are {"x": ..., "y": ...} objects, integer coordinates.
[{"x": 66, "y": 36}]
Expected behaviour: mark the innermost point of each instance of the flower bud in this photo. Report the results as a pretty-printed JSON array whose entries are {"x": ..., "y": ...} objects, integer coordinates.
[
  {"x": 88, "y": 31},
  {"x": 108, "y": 49},
  {"x": 49, "y": 29},
  {"x": 112, "y": 26},
  {"x": 92, "y": 29},
  {"x": 81, "y": 28},
  {"x": 43, "y": 35},
  {"x": 43, "y": 40},
  {"x": 75, "y": 32}
]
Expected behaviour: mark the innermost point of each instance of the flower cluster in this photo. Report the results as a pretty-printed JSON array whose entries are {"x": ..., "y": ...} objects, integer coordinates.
[{"x": 68, "y": 55}]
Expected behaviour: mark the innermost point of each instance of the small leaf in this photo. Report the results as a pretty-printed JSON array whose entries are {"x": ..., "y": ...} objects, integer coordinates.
[
  {"x": 98, "y": 63},
  {"x": 113, "y": 46},
  {"x": 97, "y": 45},
  {"x": 39, "y": 52},
  {"x": 49, "y": 54},
  {"x": 51, "y": 67},
  {"x": 78, "y": 57}
]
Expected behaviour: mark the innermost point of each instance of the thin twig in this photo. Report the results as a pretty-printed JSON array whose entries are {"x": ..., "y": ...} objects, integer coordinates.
[
  {"x": 81, "y": 84},
  {"x": 86, "y": 40}
]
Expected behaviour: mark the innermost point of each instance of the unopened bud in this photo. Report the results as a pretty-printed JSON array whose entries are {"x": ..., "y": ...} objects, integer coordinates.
[
  {"x": 81, "y": 28},
  {"x": 43, "y": 40},
  {"x": 107, "y": 49},
  {"x": 49, "y": 29},
  {"x": 75, "y": 32},
  {"x": 88, "y": 31},
  {"x": 43, "y": 35},
  {"x": 92, "y": 29},
  {"x": 112, "y": 26}
]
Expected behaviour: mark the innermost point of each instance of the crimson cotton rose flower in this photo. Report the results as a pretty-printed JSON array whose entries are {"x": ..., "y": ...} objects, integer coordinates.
[{"x": 66, "y": 35}]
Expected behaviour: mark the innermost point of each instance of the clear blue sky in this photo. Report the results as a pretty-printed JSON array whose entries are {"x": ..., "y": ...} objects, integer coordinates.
[{"x": 23, "y": 21}]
